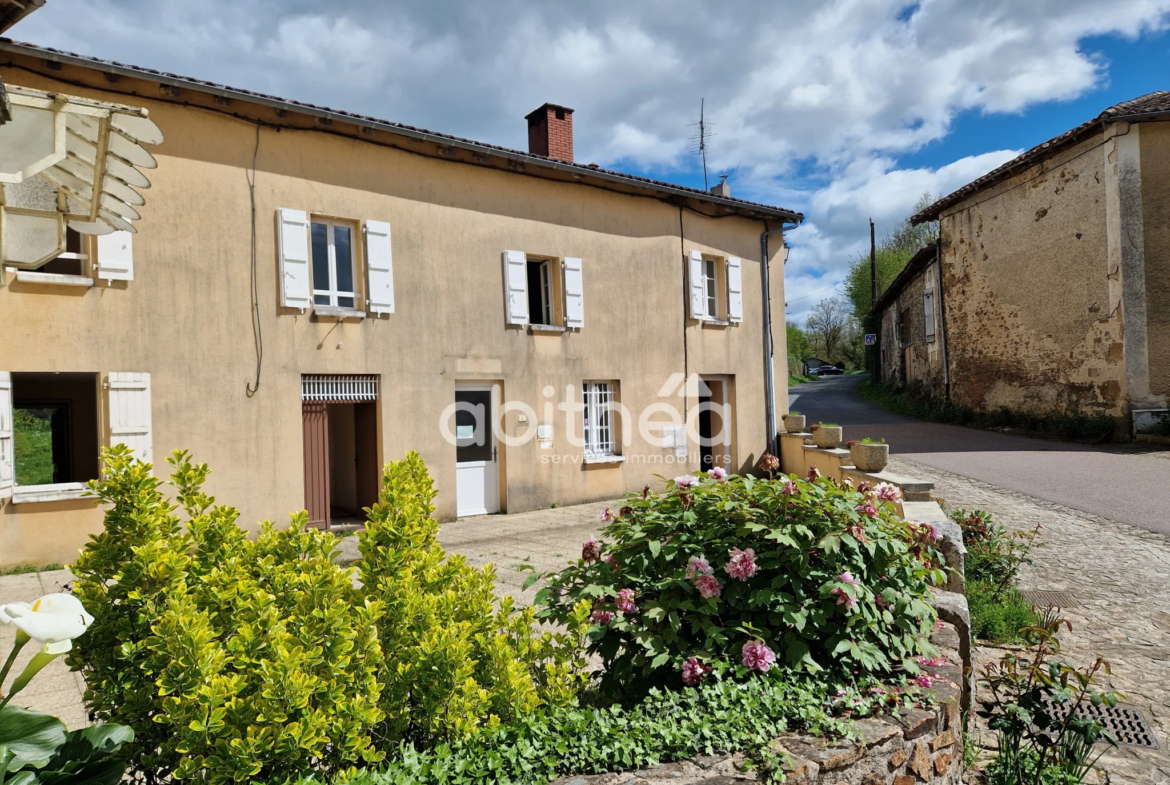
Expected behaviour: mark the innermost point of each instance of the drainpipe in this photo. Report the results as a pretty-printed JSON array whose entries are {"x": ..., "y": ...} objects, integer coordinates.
[{"x": 769, "y": 368}]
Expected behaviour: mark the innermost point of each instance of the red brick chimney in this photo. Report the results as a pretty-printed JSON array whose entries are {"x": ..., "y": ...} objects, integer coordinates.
[{"x": 550, "y": 132}]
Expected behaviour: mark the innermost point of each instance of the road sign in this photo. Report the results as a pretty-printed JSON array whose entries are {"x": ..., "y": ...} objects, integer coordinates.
[{"x": 870, "y": 339}]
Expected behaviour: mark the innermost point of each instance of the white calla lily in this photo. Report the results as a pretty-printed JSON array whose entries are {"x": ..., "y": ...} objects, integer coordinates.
[{"x": 54, "y": 620}]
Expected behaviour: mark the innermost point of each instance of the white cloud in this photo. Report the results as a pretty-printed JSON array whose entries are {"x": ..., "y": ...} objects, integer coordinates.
[{"x": 813, "y": 102}]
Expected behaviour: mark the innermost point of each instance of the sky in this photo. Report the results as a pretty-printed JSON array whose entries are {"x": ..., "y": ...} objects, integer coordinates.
[{"x": 841, "y": 109}]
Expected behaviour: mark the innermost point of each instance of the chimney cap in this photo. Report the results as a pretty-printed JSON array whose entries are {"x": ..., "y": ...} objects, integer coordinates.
[{"x": 543, "y": 108}]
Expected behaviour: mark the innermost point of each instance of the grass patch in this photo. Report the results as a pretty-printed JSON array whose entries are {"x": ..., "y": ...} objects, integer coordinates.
[
  {"x": 795, "y": 380},
  {"x": 1091, "y": 428},
  {"x": 33, "y": 446},
  {"x": 998, "y": 618},
  {"x": 25, "y": 569}
]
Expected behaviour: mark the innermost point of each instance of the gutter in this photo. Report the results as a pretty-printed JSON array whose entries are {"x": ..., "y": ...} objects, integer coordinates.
[{"x": 516, "y": 156}]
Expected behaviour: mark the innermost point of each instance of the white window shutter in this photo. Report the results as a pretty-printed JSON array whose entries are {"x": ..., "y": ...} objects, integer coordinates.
[
  {"x": 379, "y": 268},
  {"x": 516, "y": 286},
  {"x": 698, "y": 294},
  {"x": 734, "y": 289},
  {"x": 7, "y": 445},
  {"x": 115, "y": 253},
  {"x": 296, "y": 286},
  {"x": 574, "y": 293},
  {"x": 129, "y": 398}
]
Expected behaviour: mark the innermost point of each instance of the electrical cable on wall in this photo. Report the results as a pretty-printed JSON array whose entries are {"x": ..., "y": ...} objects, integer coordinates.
[
  {"x": 257, "y": 333},
  {"x": 686, "y": 310}
]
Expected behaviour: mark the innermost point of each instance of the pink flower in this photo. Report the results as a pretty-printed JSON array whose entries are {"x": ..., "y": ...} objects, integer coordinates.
[
  {"x": 933, "y": 532},
  {"x": 932, "y": 662},
  {"x": 686, "y": 481},
  {"x": 867, "y": 509},
  {"x": 813, "y": 473},
  {"x": 923, "y": 680},
  {"x": 757, "y": 656},
  {"x": 742, "y": 564},
  {"x": 608, "y": 559},
  {"x": 718, "y": 473},
  {"x": 694, "y": 672},
  {"x": 847, "y": 577},
  {"x": 843, "y": 598},
  {"x": 769, "y": 462},
  {"x": 880, "y": 601},
  {"x": 887, "y": 492},
  {"x": 602, "y": 617},
  {"x": 607, "y": 516},
  {"x": 698, "y": 565},
  {"x": 625, "y": 601},
  {"x": 708, "y": 586},
  {"x": 591, "y": 551},
  {"x": 863, "y": 486},
  {"x": 790, "y": 489}
]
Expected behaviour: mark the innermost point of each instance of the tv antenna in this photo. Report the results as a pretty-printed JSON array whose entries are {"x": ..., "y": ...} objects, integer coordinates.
[{"x": 701, "y": 138}]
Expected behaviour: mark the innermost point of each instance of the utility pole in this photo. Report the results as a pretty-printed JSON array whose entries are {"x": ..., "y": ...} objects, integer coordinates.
[{"x": 872, "y": 295}]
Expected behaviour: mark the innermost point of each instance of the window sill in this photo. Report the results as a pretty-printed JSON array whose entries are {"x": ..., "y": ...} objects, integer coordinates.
[
  {"x": 57, "y": 492},
  {"x": 328, "y": 312},
  {"x": 714, "y": 323},
  {"x": 592, "y": 459},
  {"x": 546, "y": 328},
  {"x": 32, "y": 276}
]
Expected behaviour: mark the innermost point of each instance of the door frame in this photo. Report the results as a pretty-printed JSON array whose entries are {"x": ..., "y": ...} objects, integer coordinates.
[
  {"x": 494, "y": 491},
  {"x": 722, "y": 389}
]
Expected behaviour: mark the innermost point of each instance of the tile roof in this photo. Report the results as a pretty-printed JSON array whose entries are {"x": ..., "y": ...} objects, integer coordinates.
[
  {"x": 742, "y": 206},
  {"x": 1141, "y": 108}
]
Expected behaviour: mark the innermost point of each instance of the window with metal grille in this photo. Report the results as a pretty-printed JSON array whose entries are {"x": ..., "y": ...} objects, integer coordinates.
[
  {"x": 335, "y": 388},
  {"x": 598, "y": 425}
]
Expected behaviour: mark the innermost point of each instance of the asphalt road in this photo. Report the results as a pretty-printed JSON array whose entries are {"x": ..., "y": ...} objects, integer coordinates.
[{"x": 1116, "y": 481}]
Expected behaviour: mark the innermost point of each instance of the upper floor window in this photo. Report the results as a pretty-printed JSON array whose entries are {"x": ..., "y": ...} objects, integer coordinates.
[
  {"x": 541, "y": 303},
  {"x": 716, "y": 288},
  {"x": 334, "y": 270}
]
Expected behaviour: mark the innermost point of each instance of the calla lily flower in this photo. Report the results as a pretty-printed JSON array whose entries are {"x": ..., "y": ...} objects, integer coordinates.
[{"x": 54, "y": 620}]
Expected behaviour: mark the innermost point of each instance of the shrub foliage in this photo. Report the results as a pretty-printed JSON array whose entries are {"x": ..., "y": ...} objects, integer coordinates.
[
  {"x": 236, "y": 658},
  {"x": 724, "y": 572}
]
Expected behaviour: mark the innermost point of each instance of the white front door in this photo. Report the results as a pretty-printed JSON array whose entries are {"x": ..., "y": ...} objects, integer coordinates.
[{"x": 477, "y": 459}]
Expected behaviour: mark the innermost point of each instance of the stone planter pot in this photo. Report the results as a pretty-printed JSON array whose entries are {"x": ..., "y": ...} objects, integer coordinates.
[
  {"x": 869, "y": 457},
  {"x": 827, "y": 438},
  {"x": 794, "y": 423}
]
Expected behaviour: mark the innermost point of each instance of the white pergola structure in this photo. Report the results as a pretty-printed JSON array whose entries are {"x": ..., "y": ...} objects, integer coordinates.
[{"x": 69, "y": 162}]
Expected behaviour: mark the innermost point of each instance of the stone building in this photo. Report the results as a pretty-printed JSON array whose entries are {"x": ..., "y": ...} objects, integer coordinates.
[
  {"x": 910, "y": 340},
  {"x": 298, "y": 294},
  {"x": 1055, "y": 272}
]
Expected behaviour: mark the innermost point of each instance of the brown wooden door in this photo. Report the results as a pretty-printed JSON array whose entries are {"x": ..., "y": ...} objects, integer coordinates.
[
  {"x": 365, "y": 424},
  {"x": 316, "y": 426}
]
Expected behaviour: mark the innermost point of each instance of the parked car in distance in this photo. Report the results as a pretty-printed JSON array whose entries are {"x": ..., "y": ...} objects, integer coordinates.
[{"x": 829, "y": 370}]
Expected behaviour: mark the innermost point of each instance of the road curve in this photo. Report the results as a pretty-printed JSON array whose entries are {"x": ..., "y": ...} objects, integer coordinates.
[{"x": 1131, "y": 487}]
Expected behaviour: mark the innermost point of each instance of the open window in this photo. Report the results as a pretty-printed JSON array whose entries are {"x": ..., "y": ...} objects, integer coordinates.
[
  {"x": 544, "y": 293},
  {"x": 716, "y": 288},
  {"x": 56, "y": 438}
]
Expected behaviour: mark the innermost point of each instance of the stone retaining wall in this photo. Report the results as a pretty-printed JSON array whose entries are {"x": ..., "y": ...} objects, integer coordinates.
[{"x": 922, "y": 745}]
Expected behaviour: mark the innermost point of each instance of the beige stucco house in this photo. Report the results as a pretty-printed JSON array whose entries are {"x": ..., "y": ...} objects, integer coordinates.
[
  {"x": 303, "y": 294},
  {"x": 1054, "y": 293}
]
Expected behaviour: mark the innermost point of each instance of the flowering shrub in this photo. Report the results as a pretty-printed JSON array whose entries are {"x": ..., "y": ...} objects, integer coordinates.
[
  {"x": 237, "y": 658},
  {"x": 743, "y": 575}
]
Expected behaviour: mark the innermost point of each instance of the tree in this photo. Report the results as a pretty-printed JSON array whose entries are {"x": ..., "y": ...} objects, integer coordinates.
[
  {"x": 827, "y": 326},
  {"x": 892, "y": 254},
  {"x": 798, "y": 345}
]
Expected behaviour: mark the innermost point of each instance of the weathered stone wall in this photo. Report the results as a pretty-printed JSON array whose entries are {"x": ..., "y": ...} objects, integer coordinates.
[
  {"x": 1155, "y": 168},
  {"x": 1026, "y": 281},
  {"x": 922, "y": 745},
  {"x": 908, "y": 358}
]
